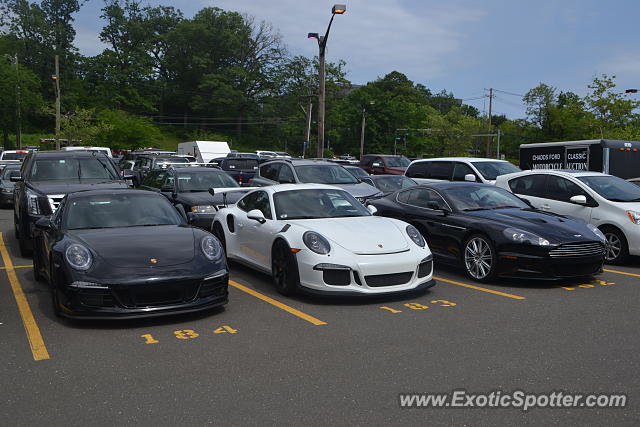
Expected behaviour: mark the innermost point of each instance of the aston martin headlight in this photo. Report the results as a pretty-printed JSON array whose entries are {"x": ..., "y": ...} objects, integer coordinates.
[
  {"x": 32, "y": 203},
  {"x": 597, "y": 232},
  {"x": 210, "y": 247},
  {"x": 415, "y": 235},
  {"x": 203, "y": 209},
  {"x": 524, "y": 237},
  {"x": 78, "y": 257},
  {"x": 316, "y": 242},
  {"x": 634, "y": 216}
]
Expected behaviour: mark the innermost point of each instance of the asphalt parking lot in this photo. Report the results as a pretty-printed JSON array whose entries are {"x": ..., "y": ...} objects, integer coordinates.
[{"x": 268, "y": 359}]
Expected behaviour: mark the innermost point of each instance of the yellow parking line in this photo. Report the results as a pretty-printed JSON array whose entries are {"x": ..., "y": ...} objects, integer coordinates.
[
  {"x": 478, "y": 288},
  {"x": 38, "y": 349},
  {"x": 17, "y": 266},
  {"x": 278, "y": 304},
  {"x": 621, "y": 272}
]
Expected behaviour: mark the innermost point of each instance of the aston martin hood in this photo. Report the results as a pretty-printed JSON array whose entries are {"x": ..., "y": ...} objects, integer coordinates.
[
  {"x": 368, "y": 235},
  {"x": 138, "y": 247}
]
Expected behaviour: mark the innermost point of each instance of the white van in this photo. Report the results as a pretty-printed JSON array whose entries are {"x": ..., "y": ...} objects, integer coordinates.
[
  {"x": 204, "y": 151},
  {"x": 105, "y": 150},
  {"x": 459, "y": 169}
]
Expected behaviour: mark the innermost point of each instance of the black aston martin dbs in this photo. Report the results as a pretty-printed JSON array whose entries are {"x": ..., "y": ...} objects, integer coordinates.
[
  {"x": 127, "y": 253},
  {"x": 490, "y": 232}
]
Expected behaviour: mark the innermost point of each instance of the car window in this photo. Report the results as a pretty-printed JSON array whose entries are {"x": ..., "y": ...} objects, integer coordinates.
[
  {"x": 378, "y": 163},
  {"x": 325, "y": 174},
  {"x": 425, "y": 198},
  {"x": 317, "y": 203},
  {"x": 562, "y": 189},
  {"x": 613, "y": 188},
  {"x": 150, "y": 179},
  {"x": 286, "y": 174},
  {"x": 256, "y": 200},
  {"x": 72, "y": 168},
  {"x": 389, "y": 183},
  {"x": 492, "y": 170},
  {"x": 529, "y": 185},
  {"x": 403, "y": 196},
  {"x": 431, "y": 170},
  {"x": 201, "y": 181},
  {"x": 397, "y": 162},
  {"x": 460, "y": 170},
  {"x": 270, "y": 171}
]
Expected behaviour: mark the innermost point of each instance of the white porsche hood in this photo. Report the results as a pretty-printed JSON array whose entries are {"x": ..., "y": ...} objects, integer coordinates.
[{"x": 367, "y": 235}]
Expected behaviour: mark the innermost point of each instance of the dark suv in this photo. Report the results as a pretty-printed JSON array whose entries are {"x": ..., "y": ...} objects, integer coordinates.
[
  {"x": 145, "y": 164},
  {"x": 242, "y": 169},
  {"x": 47, "y": 176},
  {"x": 384, "y": 164},
  {"x": 313, "y": 171}
]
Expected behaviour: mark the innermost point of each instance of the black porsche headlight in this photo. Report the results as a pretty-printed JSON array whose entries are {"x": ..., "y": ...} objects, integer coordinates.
[
  {"x": 415, "y": 235},
  {"x": 78, "y": 257},
  {"x": 210, "y": 247},
  {"x": 316, "y": 242}
]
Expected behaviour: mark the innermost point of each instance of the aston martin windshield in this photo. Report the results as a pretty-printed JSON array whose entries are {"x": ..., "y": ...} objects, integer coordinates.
[
  {"x": 201, "y": 181},
  {"x": 325, "y": 174},
  {"x": 309, "y": 204},
  {"x": 613, "y": 188},
  {"x": 491, "y": 170},
  {"x": 119, "y": 210},
  {"x": 94, "y": 167},
  {"x": 474, "y": 197}
]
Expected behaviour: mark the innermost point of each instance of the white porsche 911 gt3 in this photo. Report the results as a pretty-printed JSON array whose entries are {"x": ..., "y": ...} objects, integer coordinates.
[{"x": 319, "y": 239}]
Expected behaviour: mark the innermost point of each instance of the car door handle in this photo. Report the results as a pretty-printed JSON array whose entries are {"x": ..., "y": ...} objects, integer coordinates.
[
  {"x": 240, "y": 225},
  {"x": 545, "y": 207}
]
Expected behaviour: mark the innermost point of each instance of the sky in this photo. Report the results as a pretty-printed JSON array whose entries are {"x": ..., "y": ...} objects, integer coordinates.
[{"x": 462, "y": 46}]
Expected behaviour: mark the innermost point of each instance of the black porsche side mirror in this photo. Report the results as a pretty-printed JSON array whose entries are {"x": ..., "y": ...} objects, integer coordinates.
[{"x": 44, "y": 223}]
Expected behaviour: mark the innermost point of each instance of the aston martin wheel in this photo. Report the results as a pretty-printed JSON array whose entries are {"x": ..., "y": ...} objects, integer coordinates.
[
  {"x": 479, "y": 258},
  {"x": 284, "y": 269},
  {"x": 617, "y": 248}
]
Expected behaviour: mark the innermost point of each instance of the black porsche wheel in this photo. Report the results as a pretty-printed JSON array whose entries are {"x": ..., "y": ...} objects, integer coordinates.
[
  {"x": 479, "y": 258},
  {"x": 616, "y": 246},
  {"x": 284, "y": 269}
]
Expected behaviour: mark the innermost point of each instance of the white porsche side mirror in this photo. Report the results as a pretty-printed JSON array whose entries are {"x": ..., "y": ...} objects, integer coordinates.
[
  {"x": 257, "y": 215},
  {"x": 372, "y": 209}
]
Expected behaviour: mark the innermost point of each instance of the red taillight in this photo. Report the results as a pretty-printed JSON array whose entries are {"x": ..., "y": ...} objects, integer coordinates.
[{"x": 240, "y": 179}]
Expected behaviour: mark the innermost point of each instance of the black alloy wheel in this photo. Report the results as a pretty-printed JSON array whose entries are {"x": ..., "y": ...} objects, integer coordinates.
[{"x": 284, "y": 269}]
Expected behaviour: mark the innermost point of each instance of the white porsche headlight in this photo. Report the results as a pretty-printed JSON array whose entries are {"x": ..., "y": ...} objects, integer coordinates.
[
  {"x": 316, "y": 242},
  {"x": 203, "y": 209},
  {"x": 415, "y": 236},
  {"x": 521, "y": 236},
  {"x": 210, "y": 247},
  {"x": 78, "y": 257}
]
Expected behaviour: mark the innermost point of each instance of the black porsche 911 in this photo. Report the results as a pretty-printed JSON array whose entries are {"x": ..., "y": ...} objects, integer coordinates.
[
  {"x": 491, "y": 232},
  {"x": 127, "y": 253}
]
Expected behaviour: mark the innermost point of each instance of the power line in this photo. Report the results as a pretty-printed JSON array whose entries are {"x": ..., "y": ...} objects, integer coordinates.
[{"x": 509, "y": 93}]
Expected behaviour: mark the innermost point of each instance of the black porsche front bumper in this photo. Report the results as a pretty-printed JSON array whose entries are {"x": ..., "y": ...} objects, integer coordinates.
[{"x": 143, "y": 297}]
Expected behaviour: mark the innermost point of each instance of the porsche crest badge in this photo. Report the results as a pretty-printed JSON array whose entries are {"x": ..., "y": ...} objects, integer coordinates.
[{"x": 153, "y": 261}]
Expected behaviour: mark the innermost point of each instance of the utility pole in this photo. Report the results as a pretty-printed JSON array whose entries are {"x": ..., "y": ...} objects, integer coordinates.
[
  {"x": 307, "y": 111},
  {"x": 18, "y": 112},
  {"x": 362, "y": 132},
  {"x": 490, "y": 138},
  {"x": 56, "y": 79}
]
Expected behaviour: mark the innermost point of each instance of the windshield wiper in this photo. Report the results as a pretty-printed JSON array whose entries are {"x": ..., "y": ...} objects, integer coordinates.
[
  {"x": 507, "y": 207},
  {"x": 475, "y": 209}
]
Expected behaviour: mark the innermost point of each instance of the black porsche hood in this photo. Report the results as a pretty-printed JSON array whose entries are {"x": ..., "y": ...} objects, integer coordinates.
[
  {"x": 549, "y": 226},
  {"x": 138, "y": 247}
]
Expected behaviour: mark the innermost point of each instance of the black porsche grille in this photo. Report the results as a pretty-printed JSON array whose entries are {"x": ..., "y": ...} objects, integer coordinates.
[
  {"x": 577, "y": 250},
  {"x": 157, "y": 294},
  {"x": 393, "y": 279},
  {"x": 96, "y": 297}
]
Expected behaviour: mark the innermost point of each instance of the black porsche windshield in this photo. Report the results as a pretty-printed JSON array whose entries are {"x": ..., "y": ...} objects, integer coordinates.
[
  {"x": 94, "y": 167},
  {"x": 612, "y": 188},
  {"x": 325, "y": 174},
  {"x": 397, "y": 162},
  {"x": 391, "y": 183},
  {"x": 193, "y": 182},
  {"x": 492, "y": 170},
  {"x": 309, "y": 204},
  {"x": 119, "y": 210},
  {"x": 475, "y": 198}
]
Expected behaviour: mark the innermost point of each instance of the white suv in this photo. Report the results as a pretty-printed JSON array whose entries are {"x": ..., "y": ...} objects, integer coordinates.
[
  {"x": 608, "y": 202},
  {"x": 459, "y": 169}
]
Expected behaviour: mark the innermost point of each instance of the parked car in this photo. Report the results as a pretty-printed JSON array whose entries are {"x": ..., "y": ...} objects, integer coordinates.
[
  {"x": 190, "y": 188},
  {"x": 304, "y": 171},
  {"x": 608, "y": 202},
  {"x": 241, "y": 169},
  {"x": 47, "y": 177},
  {"x": 384, "y": 164},
  {"x": 490, "y": 232},
  {"x": 145, "y": 164},
  {"x": 356, "y": 171},
  {"x": 389, "y": 183},
  {"x": 104, "y": 150},
  {"x": 13, "y": 155},
  {"x": 6, "y": 185},
  {"x": 165, "y": 266},
  {"x": 319, "y": 239},
  {"x": 469, "y": 169},
  {"x": 243, "y": 155}
]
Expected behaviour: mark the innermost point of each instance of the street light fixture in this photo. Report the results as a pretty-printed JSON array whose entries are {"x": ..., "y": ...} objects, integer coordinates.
[
  {"x": 631, "y": 91},
  {"x": 364, "y": 110},
  {"x": 338, "y": 9}
]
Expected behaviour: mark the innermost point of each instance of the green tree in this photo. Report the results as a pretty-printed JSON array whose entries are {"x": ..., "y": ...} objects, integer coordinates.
[
  {"x": 81, "y": 125},
  {"x": 612, "y": 110},
  {"x": 123, "y": 131}
]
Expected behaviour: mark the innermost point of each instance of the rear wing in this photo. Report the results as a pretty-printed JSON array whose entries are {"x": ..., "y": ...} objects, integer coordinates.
[{"x": 215, "y": 192}]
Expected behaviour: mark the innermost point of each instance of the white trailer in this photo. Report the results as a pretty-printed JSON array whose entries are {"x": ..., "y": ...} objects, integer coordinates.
[{"x": 204, "y": 151}]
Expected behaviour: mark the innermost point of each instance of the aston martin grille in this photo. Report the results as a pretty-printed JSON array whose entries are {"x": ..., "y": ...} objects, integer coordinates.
[{"x": 577, "y": 250}]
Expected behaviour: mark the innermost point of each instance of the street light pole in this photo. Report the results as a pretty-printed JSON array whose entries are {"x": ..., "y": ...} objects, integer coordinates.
[
  {"x": 338, "y": 9},
  {"x": 364, "y": 115}
]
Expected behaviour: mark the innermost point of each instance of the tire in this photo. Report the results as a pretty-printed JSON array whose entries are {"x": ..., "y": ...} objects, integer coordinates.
[
  {"x": 284, "y": 269},
  {"x": 37, "y": 266},
  {"x": 24, "y": 249},
  {"x": 616, "y": 247},
  {"x": 479, "y": 258},
  {"x": 16, "y": 228},
  {"x": 219, "y": 233},
  {"x": 55, "y": 299}
]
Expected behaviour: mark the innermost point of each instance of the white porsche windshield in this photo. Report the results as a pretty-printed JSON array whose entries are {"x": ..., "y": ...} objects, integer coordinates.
[{"x": 310, "y": 204}]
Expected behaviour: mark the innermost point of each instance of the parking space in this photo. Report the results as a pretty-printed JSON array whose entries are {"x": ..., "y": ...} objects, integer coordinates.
[{"x": 268, "y": 358}]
